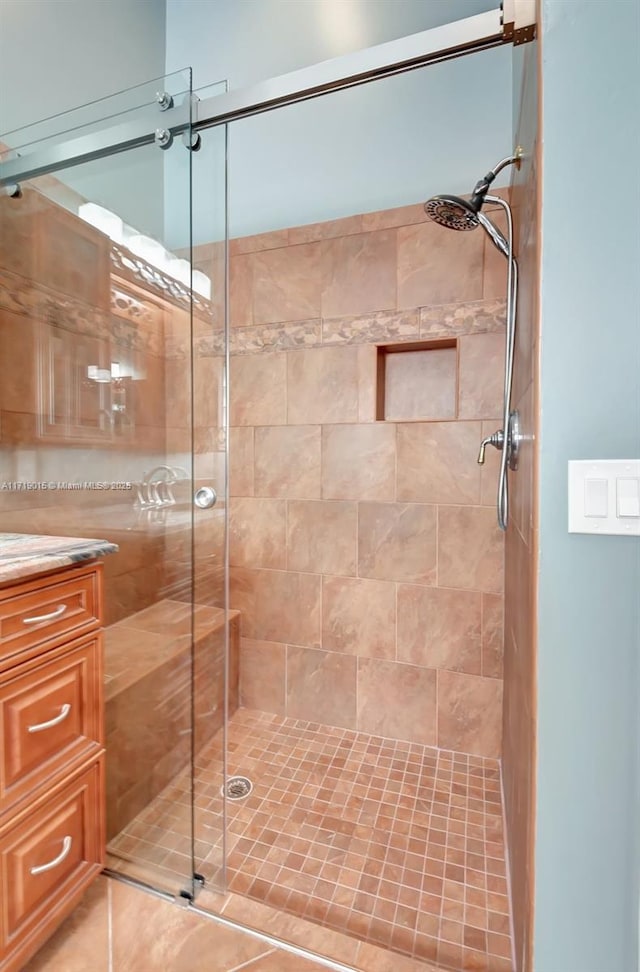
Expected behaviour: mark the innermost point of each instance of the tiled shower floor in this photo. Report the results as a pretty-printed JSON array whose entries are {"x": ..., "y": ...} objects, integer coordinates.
[{"x": 394, "y": 843}]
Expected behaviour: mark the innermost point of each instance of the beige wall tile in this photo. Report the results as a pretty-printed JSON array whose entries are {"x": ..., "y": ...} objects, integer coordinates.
[
  {"x": 359, "y": 616},
  {"x": 258, "y": 389},
  {"x": 439, "y": 628},
  {"x": 359, "y": 461},
  {"x": 397, "y": 701},
  {"x": 521, "y": 483},
  {"x": 436, "y": 266},
  {"x": 490, "y": 471},
  {"x": 367, "y": 383},
  {"x": 495, "y": 265},
  {"x": 469, "y": 713},
  {"x": 287, "y": 461},
  {"x": 359, "y": 274},
  {"x": 321, "y": 686},
  {"x": 470, "y": 549},
  {"x": 492, "y": 635},
  {"x": 326, "y": 230},
  {"x": 257, "y": 532},
  {"x": 259, "y": 241},
  {"x": 287, "y": 283},
  {"x": 437, "y": 462},
  {"x": 241, "y": 461},
  {"x": 241, "y": 291},
  {"x": 400, "y": 216},
  {"x": 322, "y": 385},
  {"x": 397, "y": 541},
  {"x": 321, "y": 536},
  {"x": 263, "y": 667},
  {"x": 207, "y": 390},
  {"x": 265, "y": 599},
  {"x": 481, "y": 378},
  {"x": 420, "y": 384}
]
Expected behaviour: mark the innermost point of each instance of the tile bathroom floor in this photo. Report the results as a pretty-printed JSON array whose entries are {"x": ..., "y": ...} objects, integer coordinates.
[
  {"x": 117, "y": 928},
  {"x": 394, "y": 843}
]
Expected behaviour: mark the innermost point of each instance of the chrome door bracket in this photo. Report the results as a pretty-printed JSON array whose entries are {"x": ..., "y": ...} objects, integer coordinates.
[{"x": 164, "y": 100}]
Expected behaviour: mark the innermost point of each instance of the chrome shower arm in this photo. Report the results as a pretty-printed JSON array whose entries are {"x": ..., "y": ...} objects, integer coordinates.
[
  {"x": 510, "y": 160},
  {"x": 481, "y": 187}
]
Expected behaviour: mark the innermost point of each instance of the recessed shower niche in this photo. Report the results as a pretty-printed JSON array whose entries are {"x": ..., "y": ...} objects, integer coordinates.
[{"x": 417, "y": 381}]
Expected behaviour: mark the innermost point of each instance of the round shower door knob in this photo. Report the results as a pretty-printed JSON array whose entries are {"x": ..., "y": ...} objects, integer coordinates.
[{"x": 205, "y": 497}]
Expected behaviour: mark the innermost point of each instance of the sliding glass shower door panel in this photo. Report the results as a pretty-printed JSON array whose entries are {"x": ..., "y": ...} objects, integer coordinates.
[{"x": 102, "y": 324}]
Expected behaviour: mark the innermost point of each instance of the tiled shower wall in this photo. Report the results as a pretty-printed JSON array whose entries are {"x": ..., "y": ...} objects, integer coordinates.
[
  {"x": 521, "y": 543},
  {"x": 365, "y": 556}
]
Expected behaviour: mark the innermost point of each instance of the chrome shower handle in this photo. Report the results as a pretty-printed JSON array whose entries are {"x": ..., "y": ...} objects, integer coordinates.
[{"x": 496, "y": 440}]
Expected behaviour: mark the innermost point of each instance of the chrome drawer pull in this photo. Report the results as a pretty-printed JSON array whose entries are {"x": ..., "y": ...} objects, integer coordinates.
[
  {"x": 59, "y": 611},
  {"x": 64, "y": 712},
  {"x": 66, "y": 847}
]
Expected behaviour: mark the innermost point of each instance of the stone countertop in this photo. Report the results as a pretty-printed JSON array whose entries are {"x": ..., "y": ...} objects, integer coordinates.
[{"x": 23, "y": 555}]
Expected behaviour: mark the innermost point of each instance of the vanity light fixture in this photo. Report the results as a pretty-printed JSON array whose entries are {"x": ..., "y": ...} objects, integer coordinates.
[{"x": 145, "y": 247}]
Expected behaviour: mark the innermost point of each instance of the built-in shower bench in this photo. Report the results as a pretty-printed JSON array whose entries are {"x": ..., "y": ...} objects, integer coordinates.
[{"x": 149, "y": 684}]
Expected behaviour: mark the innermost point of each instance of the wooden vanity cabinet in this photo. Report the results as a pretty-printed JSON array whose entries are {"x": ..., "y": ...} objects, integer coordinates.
[{"x": 52, "y": 787}]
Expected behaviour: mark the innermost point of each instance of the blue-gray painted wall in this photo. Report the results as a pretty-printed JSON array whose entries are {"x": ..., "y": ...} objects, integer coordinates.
[
  {"x": 586, "y": 907},
  {"x": 374, "y": 147},
  {"x": 58, "y": 54}
]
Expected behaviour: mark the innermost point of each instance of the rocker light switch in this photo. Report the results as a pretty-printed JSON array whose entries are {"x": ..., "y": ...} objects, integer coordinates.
[
  {"x": 628, "y": 491},
  {"x": 596, "y": 497},
  {"x": 604, "y": 496}
]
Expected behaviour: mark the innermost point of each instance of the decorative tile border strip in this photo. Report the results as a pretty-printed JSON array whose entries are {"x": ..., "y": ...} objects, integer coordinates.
[
  {"x": 416, "y": 324},
  {"x": 401, "y": 325},
  {"x": 276, "y": 337},
  {"x": 132, "y": 325},
  {"x": 466, "y": 317}
]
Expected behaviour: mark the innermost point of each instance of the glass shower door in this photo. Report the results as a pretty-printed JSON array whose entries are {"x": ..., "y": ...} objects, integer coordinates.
[{"x": 103, "y": 332}]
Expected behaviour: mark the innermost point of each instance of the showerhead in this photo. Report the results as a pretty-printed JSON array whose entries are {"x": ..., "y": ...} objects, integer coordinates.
[
  {"x": 461, "y": 214},
  {"x": 458, "y": 214},
  {"x": 451, "y": 212}
]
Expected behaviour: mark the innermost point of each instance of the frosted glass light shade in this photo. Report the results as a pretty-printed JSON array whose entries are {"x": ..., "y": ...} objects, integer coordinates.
[{"x": 103, "y": 220}]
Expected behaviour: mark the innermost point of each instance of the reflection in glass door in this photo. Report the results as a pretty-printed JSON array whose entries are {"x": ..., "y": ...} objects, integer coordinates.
[{"x": 113, "y": 373}]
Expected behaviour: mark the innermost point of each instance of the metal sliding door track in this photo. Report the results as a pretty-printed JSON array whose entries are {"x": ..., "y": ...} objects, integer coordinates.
[{"x": 458, "y": 39}]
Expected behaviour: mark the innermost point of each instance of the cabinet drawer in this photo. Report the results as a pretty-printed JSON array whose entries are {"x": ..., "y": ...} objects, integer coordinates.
[
  {"x": 48, "y": 859},
  {"x": 50, "y": 716},
  {"x": 48, "y": 612}
]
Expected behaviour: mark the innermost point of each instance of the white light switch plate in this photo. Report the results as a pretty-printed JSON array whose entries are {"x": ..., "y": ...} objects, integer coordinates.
[{"x": 604, "y": 496}]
